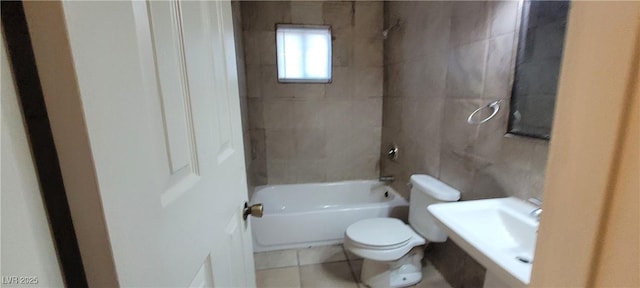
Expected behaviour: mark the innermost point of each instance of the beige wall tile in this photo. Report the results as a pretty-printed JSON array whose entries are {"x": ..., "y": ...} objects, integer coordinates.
[
  {"x": 411, "y": 78},
  {"x": 342, "y": 85},
  {"x": 460, "y": 269},
  {"x": 500, "y": 61},
  {"x": 266, "y": 45},
  {"x": 309, "y": 114},
  {"x": 488, "y": 144},
  {"x": 341, "y": 46},
  {"x": 278, "y": 114},
  {"x": 251, "y": 55},
  {"x": 426, "y": 115},
  {"x": 457, "y": 170},
  {"x": 367, "y": 51},
  {"x": 253, "y": 80},
  {"x": 306, "y": 91},
  {"x": 391, "y": 76},
  {"x": 469, "y": 22},
  {"x": 364, "y": 143},
  {"x": 336, "y": 146},
  {"x": 427, "y": 101},
  {"x": 457, "y": 133},
  {"x": 364, "y": 168},
  {"x": 338, "y": 168},
  {"x": 310, "y": 143},
  {"x": 424, "y": 78},
  {"x": 301, "y": 120},
  {"x": 367, "y": 112},
  {"x": 270, "y": 88},
  {"x": 503, "y": 16},
  {"x": 337, "y": 115},
  {"x": 465, "y": 74},
  {"x": 255, "y": 114},
  {"x": 308, "y": 170},
  {"x": 432, "y": 278},
  {"x": 392, "y": 112},
  {"x": 278, "y": 172},
  {"x": 258, "y": 156},
  {"x": 306, "y": 12},
  {"x": 367, "y": 19},
  {"x": 261, "y": 15},
  {"x": 518, "y": 151},
  {"x": 392, "y": 50},
  {"x": 540, "y": 155},
  {"x": 487, "y": 183},
  {"x": 280, "y": 144},
  {"x": 368, "y": 82},
  {"x": 433, "y": 26},
  {"x": 503, "y": 179},
  {"x": 338, "y": 14}
]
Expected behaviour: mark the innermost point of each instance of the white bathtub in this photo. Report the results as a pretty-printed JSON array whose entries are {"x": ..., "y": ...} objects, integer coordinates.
[{"x": 303, "y": 215}]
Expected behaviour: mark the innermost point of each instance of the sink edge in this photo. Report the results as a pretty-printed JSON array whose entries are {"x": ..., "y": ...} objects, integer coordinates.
[{"x": 493, "y": 264}]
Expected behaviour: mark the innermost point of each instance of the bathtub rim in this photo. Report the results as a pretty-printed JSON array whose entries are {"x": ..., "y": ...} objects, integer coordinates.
[{"x": 399, "y": 202}]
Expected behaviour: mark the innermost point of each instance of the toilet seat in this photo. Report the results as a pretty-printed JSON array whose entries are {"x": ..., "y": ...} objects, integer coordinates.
[
  {"x": 381, "y": 239},
  {"x": 382, "y": 233}
]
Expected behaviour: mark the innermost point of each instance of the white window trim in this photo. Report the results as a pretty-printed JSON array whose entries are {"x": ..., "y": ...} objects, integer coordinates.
[{"x": 305, "y": 80}]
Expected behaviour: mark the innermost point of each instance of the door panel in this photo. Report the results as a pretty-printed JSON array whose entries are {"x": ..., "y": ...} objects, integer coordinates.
[
  {"x": 175, "y": 99},
  {"x": 204, "y": 277},
  {"x": 160, "y": 102}
]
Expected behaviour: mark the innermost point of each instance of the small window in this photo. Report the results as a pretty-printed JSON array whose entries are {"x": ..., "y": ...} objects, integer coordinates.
[{"x": 304, "y": 53}]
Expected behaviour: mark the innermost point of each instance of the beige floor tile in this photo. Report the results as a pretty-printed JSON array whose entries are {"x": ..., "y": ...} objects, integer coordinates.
[
  {"x": 275, "y": 259},
  {"x": 352, "y": 256},
  {"x": 279, "y": 277},
  {"x": 431, "y": 278},
  {"x": 356, "y": 267},
  {"x": 322, "y": 254},
  {"x": 337, "y": 274}
]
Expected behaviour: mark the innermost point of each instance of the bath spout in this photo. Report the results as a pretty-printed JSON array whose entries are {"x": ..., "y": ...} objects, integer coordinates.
[{"x": 387, "y": 179}]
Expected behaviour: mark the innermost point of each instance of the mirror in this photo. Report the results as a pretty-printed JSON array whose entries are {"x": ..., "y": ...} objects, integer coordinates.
[{"x": 538, "y": 60}]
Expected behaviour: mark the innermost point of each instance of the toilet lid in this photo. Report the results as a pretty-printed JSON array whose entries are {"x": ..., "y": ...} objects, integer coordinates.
[{"x": 379, "y": 232}]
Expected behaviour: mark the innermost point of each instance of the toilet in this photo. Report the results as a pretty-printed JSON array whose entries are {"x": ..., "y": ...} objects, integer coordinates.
[{"x": 392, "y": 250}]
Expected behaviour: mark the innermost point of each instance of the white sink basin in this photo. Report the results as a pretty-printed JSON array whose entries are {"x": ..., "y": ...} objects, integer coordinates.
[{"x": 499, "y": 233}]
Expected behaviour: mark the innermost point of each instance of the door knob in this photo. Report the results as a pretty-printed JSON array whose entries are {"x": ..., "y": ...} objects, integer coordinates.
[{"x": 254, "y": 210}]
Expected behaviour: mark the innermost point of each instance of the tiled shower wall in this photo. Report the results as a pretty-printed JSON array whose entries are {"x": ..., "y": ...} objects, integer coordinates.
[
  {"x": 444, "y": 60},
  {"x": 315, "y": 132}
]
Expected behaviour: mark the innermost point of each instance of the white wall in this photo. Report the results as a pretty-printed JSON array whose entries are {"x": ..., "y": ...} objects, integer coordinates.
[{"x": 27, "y": 247}]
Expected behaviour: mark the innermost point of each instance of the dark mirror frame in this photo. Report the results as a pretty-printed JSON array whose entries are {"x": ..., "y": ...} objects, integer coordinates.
[{"x": 538, "y": 61}]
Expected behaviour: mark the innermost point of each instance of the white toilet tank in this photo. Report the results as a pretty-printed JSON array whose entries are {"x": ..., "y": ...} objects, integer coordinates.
[{"x": 425, "y": 191}]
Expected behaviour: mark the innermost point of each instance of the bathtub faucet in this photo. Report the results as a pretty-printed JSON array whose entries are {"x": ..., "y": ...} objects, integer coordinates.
[{"x": 387, "y": 178}]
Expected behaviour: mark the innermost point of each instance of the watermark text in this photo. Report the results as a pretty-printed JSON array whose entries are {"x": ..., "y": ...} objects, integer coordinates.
[{"x": 19, "y": 280}]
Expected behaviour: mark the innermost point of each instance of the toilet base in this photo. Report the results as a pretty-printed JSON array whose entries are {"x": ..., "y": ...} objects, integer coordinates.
[{"x": 403, "y": 272}]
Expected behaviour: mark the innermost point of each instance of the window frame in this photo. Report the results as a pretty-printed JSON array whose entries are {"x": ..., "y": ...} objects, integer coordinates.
[{"x": 304, "y": 80}]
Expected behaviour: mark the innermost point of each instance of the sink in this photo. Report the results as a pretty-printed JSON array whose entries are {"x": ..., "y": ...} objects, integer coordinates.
[{"x": 499, "y": 233}]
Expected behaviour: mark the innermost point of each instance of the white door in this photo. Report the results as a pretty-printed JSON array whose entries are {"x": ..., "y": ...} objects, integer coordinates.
[{"x": 158, "y": 86}]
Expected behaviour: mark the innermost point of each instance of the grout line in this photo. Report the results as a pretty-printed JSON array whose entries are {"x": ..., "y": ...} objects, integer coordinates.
[
  {"x": 321, "y": 263},
  {"x": 299, "y": 268},
  {"x": 279, "y": 267},
  {"x": 346, "y": 260},
  {"x": 356, "y": 278}
]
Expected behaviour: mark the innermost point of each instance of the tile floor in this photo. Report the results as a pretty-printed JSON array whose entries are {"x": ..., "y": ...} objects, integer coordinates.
[{"x": 324, "y": 266}]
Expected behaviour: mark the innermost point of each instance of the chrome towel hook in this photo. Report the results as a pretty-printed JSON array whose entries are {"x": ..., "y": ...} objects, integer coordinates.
[{"x": 494, "y": 106}]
